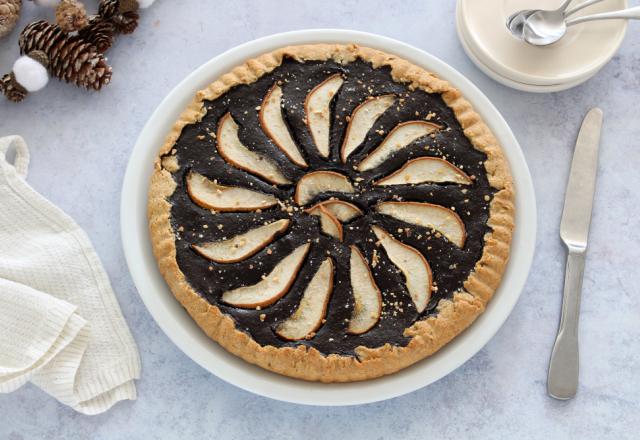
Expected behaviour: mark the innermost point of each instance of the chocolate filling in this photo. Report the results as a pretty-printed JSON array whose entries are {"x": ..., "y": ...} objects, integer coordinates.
[{"x": 451, "y": 266}]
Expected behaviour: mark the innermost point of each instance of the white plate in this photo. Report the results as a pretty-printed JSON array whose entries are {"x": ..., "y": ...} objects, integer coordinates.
[
  {"x": 462, "y": 36},
  {"x": 183, "y": 331},
  {"x": 579, "y": 55}
]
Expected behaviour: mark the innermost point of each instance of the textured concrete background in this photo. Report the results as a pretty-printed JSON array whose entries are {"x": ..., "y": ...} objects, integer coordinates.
[{"x": 81, "y": 141}]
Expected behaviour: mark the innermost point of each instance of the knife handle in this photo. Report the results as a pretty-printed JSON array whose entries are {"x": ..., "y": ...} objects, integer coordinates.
[{"x": 562, "y": 382}]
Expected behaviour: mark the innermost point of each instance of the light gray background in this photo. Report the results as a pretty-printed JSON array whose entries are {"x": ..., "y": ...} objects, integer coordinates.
[{"x": 81, "y": 141}]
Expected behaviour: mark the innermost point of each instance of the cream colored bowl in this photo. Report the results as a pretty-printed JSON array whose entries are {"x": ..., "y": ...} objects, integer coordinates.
[{"x": 577, "y": 57}]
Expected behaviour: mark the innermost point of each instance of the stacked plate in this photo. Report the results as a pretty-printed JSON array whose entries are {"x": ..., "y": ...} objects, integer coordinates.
[{"x": 577, "y": 57}]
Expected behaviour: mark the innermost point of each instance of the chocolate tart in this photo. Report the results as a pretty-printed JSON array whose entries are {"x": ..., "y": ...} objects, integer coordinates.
[{"x": 331, "y": 212}]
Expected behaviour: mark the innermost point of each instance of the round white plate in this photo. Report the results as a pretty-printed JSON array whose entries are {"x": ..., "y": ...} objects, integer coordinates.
[
  {"x": 183, "y": 331},
  {"x": 579, "y": 55},
  {"x": 462, "y": 36}
]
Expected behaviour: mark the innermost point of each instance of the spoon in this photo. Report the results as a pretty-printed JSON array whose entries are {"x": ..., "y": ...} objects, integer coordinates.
[
  {"x": 516, "y": 22},
  {"x": 540, "y": 31},
  {"x": 580, "y": 7}
]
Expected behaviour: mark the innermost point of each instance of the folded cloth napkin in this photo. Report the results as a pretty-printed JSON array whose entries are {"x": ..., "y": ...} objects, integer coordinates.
[{"x": 60, "y": 324}]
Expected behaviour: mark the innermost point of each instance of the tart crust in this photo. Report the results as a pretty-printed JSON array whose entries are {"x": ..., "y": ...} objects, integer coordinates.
[{"x": 427, "y": 335}]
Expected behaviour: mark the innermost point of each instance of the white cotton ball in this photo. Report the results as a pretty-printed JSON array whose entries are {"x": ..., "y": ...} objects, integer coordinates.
[
  {"x": 48, "y": 3},
  {"x": 30, "y": 74},
  {"x": 145, "y": 3}
]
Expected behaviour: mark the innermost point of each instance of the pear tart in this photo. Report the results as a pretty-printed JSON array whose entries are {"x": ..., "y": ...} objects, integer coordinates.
[{"x": 331, "y": 212}]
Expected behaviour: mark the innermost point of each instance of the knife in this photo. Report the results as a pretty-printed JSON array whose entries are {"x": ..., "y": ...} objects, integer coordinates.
[{"x": 562, "y": 382}]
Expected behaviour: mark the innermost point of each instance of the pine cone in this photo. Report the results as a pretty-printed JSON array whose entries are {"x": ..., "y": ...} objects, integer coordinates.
[
  {"x": 129, "y": 6},
  {"x": 71, "y": 15},
  {"x": 40, "y": 57},
  {"x": 99, "y": 32},
  {"x": 11, "y": 89},
  {"x": 9, "y": 14},
  {"x": 70, "y": 57},
  {"x": 108, "y": 8},
  {"x": 124, "y": 22}
]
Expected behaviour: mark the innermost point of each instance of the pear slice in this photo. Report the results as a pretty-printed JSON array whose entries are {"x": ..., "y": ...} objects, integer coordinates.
[
  {"x": 400, "y": 137},
  {"x": 427, "y": 215},
  {"x": 273, "y": 286},
  {"x": 317, "y": 182},
  {"x": 317, "y": 107},
  {"x": 273, "y": 124},
  {"x": 426, "y": 170},
  {"x": 413, "y": 265},
  {"x": 211, "y": 195},
  {"x": 242, "y": 246},
  {"x": 362, "y": 119},
  {"x": 341, "y": 210},
  {"x": 366, "y": 295},
  {"x": 234, "y": 152},
  {"x": 312, "y": 308},
  {"x": 328, "y": 223}
]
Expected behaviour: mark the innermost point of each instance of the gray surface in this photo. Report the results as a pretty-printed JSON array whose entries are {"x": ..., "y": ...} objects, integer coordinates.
[{"x": 81, "y": 142}]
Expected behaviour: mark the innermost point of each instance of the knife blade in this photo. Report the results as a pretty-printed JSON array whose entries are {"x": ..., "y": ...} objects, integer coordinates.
[
  {"x": 562, "y": 381},
  {"x": 578, "y": 201}
]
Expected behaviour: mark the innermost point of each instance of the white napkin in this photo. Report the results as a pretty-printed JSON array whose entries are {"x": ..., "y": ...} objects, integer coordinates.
[{"x": 60, "y": 324}]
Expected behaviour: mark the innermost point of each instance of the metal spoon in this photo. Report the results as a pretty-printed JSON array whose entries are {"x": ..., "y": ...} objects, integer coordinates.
[
  {"x": 516, "y": 21},
  {"x": 580, "y": 7},
  {"x": 540, "y": 31}
]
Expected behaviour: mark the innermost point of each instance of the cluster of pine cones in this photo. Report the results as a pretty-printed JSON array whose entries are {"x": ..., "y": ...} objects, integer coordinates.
[{"x": 73, "y": 49}]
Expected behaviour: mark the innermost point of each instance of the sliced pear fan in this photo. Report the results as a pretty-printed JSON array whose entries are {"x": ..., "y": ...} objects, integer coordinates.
[
  {"x": 317, "y": 182},
  {"x": 366, "y": 295},
  {"x": 275, "y": 127},
  {"x": 413, "y": 265},
  {"x": 233, "y": 151},
  {"x": 317, "y": 107},
  {"x": 435, "y": 217},
  {"x": 211, "y": 195},
  {"x": 272, "y": 287},
  {"x": 329, "y": 224},
  {"x": 400, "y": 137},
  {"x": 242, "y": 246},
  {"x": 313, "y": 306},
  {"x": 341, "y": 210},
  {"x": 362, "y": 120},
  {"x": 426, "y": 170}
]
